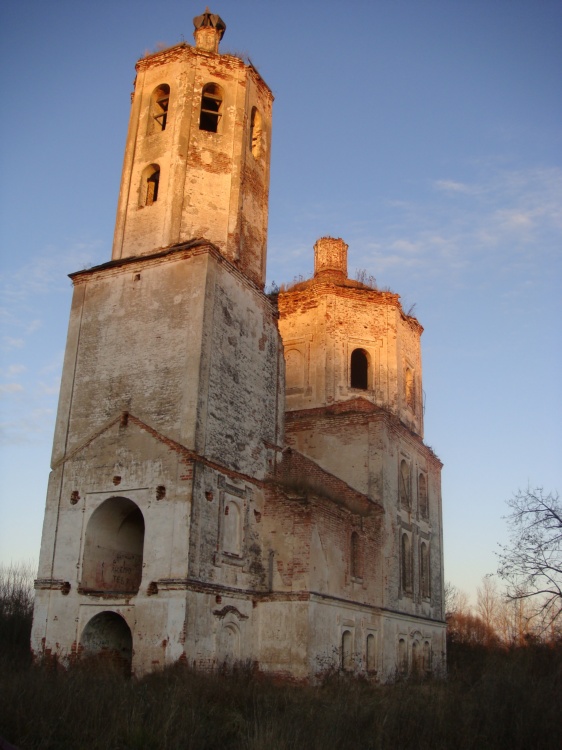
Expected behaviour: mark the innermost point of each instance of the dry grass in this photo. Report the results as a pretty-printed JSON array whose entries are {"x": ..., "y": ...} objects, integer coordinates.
[
  {"x": 507, "y": 699},
  {"x": 493, "y": 698}
]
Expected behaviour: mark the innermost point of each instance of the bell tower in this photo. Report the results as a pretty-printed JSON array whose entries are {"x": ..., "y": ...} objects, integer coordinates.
[
  {"x": 170, "y": 408},
  {"x": 197, "y": 155}
]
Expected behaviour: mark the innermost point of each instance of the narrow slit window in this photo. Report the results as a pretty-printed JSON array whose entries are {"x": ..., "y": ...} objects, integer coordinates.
[
  {"x": 406, "y": 561},
  {"x": 424, "y": 571},
  {"x": 211, "y": 103},
  {"x": 255, "y": 133},
  {"x": 409, "y": 388},
  {"x": 356, "y": 562},
  {"x": 423, "y": 499},
  {"x": 359, "y": 369},
  {"x": 405, "y": 485}
]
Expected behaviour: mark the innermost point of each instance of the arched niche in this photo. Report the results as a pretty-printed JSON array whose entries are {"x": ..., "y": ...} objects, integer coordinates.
[
  {"x": 406, "y": 563},
  {"x": 229, "y": 643},
  {"x": 347, "y": 650},
  {"x": 424, "y": 571},
  {"x": 402, "y": 656},
  {"x": 405, "y": 485},
  {"x": 107, "y": 636},
  {"x": 294, "y": 369},
  {"x": 113, "y": 549},
  {"x": 427, "y": 656},
  {"x": 371, "y": 654},
  {"x": 422, "y": 496}
]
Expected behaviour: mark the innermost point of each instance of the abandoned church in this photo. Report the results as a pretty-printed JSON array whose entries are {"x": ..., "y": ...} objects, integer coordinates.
[{"x": 236, "y": 477}]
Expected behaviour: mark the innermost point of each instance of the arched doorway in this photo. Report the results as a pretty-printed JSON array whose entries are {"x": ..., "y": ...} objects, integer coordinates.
[
  {"x": 108, "y": 637},
  {"x": 113, "y": 550}
]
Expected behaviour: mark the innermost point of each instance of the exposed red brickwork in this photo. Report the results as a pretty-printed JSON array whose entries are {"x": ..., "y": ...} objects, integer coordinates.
[{"x": 297, "y": 473}]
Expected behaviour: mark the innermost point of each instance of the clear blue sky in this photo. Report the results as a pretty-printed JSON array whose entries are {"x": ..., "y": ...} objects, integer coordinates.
[{"x": 427, "y": 134}]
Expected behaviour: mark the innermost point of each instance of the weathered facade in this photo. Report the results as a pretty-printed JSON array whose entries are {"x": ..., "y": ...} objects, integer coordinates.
[{"x": 235, "y": 476}]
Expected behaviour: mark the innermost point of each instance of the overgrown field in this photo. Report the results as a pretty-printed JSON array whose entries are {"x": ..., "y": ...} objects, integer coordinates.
[
  {"x": 504, "y": 699},
  {"x": 494, "y": 697}
]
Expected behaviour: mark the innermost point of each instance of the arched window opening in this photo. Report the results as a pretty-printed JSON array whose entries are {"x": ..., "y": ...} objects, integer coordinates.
[
  {"x": 359, "y": 369},
  {"x": 422, "y": 496},
  {"x": 346, "y": 651},
  {"x": 232, "y": 531},
  {"x": 405, "y": 485},
  {"x": 150, "y": 181},
  {"x": 108, "y": 637},
  {"x": 211, "y": 102},
  {"x": 159, "y": 101},
  {"x": 424, "y": 571},
  {"x": 356, "y": 556},
  {"x": 406, "y": 564},
  {"x": 371, "y": 653},
  {"x": 402, "y": 656},
  {"x": 427, "y": 656},
  {"x": 255, "y": 133},
  {"x": 113, "y": 549},
  {"x": 409, "y": 388}
]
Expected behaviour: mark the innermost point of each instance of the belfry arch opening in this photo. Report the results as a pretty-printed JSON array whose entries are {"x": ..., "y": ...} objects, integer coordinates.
[
  {"x": 113, "y": 549},
  {"x": 359, "y": 369},
  {"x": 150, "y": 183},
  {"x": 159, "y": 101},
  {"x": 211, "y": 103},
  {"x": 107, "y": 636}
]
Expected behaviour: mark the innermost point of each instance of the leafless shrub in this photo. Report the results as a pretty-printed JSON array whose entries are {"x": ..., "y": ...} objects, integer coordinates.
[
  {"x": 363, "y": 277},
  {"x": 16, "y": 605}
]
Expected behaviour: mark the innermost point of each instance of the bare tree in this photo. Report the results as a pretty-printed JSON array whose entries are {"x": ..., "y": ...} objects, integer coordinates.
[
  {"x": 531, "y": 563},
  {"x": 488, "y": 604},
  {"x": 456, "y": 600}
]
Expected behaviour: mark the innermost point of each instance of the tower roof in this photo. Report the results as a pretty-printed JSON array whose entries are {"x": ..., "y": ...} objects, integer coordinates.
[{"x": 208, "y": 20}]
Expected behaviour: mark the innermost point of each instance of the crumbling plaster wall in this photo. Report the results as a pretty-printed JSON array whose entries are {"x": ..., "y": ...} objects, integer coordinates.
[
  {"x": 152, "y": 380},
  {"x": 244, "y": 400},
  {"x": 169, "y": 339},
  {"x": 123, "y": 461},
  {"x": 134, "y": 341},
  {"x": 365, "y": 451}
]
